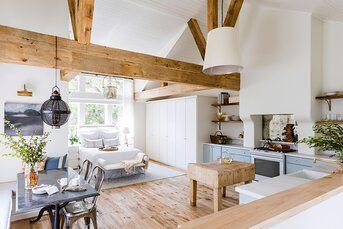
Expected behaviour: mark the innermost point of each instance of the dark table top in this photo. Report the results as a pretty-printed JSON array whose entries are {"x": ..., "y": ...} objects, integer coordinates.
[{"x": 26, "y": 200}]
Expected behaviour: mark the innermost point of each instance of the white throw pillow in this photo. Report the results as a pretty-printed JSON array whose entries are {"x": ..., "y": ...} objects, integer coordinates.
[
  {"x": 108, "y": 134},
  {"x": 89, "y": 143},
  {"x": 111, "y": 142}
]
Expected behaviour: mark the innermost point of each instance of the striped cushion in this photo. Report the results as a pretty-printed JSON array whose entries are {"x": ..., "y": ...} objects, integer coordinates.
[{"x": 55, "y": 162}]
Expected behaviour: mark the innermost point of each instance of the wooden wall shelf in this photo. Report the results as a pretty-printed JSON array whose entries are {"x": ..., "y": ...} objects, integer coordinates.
[
  {"x": 328, "y": 98},
  {"x": 324, "y": 97},
  {"x": 224, "y": 105},
  {"x": 239, "y": 121}
]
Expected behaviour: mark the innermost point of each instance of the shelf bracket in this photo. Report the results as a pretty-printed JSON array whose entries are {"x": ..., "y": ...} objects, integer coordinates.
[{"x": 328, "y": 101}]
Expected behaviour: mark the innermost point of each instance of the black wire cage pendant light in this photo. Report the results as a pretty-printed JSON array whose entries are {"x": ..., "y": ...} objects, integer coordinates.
[{"x": 55, "y": 112}]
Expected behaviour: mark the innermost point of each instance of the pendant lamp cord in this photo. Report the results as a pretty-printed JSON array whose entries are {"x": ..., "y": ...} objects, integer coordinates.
[
  {"x": 222, "y": 13},
  {"x": 55, "y": 61}
]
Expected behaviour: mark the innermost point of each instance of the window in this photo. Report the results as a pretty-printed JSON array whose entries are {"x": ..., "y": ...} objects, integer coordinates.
[
  {"x": 88, "y": 104},
  {"x": 94, "y": 114},
  {"x": 93, "y": 84}
]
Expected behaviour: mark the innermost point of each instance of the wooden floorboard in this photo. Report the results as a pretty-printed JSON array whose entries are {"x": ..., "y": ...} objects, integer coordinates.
[{"x": 157, "y": 204}]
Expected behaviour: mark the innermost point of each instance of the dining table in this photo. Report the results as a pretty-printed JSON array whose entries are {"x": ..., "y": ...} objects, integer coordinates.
[{"x": 26, "y": 200}]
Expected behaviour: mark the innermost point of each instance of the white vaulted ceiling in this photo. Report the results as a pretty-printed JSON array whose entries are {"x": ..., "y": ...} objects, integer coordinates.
[
  {"x": 159, "y": 27},
  {"x": 145, "y": 26},
  {"x": 323, "y": 9},
  {"x": 153, "y": 26}
]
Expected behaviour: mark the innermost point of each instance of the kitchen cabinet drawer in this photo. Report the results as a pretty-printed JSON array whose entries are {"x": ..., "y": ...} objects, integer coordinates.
[
  {"x": 216, "y": 152},
  {"x": 291, "y": 168},
  {"x": 299, "y": 161},
  {"x": 243, "y": 152},
  {"x": 237, "y": 157},
  {"x": 207, "y": 153}
]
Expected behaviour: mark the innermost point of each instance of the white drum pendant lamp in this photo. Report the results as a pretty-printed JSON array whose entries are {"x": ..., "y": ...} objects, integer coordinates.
[{"x": 222, "y": 54}]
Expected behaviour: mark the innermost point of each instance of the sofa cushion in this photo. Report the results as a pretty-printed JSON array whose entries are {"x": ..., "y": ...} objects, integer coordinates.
[
  {"x": 92, "y": 143},
  {"x": 111, "y": 142},
  {"x": 109, "y": 134},
  {"x": 55, "y": 162}
]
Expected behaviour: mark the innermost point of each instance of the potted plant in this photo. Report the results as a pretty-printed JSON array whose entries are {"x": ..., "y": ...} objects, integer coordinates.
[
  {"x": 29, "y": 150},
  {"x": 74, "y": 140},
  {"x": 329, "y": 136}
]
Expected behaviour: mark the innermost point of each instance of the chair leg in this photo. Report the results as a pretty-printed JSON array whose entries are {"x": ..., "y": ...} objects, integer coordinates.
[
  {"x": 69, "y": 223},
  {"x": 62, "y": 221},
  {"x": 93, "y": 217},
  {"x": 87, "y": 222}
]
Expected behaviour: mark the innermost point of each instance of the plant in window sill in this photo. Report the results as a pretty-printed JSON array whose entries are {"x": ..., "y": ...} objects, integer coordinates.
[
  {"x": 74, "y": 140},
  {"x": 329, "y": 136},
  {"x": 29, "y": 150}
]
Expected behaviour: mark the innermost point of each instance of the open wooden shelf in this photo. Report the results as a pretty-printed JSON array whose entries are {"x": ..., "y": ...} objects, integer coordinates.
[
  {"x": 224, "y": 105},
  {"x": 323, "y": 121},
  {"x": 326, "y": 97},
  {"x": 231, "y": 121}
]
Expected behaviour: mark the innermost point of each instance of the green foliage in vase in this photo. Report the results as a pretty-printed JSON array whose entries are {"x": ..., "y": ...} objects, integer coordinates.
[
  {"x": 29, "y": 150},
  {"x": 74, "y": 140},
  {"x": 329, "y": 136}
]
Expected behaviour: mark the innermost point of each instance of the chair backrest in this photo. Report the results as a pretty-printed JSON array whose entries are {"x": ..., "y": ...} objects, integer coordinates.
[
  {"x": 86, "y": 169},
  {"x": 96, "y": 179}
]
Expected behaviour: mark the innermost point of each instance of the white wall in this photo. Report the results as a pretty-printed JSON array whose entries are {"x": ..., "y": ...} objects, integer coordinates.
[
  {"x": 332, "y": 63},
  {"x": 278, "y": 76},
  {"x": 45, "y": 16}
]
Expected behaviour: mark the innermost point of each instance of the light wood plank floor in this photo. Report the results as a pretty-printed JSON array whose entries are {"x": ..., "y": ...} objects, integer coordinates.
[{"x": 156, "y": 204}]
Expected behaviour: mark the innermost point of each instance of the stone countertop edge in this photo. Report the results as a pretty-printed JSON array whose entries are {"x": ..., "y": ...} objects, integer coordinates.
[
  {"x": 237, "y": 146},
  {"x": 310, "y": 156}
]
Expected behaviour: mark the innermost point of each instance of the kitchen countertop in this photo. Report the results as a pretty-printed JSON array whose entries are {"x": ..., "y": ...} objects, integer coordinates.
[
  {"x": 273, "y": 209},
  {"x": 274, "y": 185},
  {"x": 237, "y": 146},
  {"x": 309, "y": 156}
]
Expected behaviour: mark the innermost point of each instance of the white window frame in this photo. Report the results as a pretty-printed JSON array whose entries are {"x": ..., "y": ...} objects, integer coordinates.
[{"x": 82, "y": 98}]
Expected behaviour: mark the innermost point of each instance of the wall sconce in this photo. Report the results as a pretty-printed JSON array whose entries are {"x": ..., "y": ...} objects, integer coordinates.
[{"x": 25, "y": 92}]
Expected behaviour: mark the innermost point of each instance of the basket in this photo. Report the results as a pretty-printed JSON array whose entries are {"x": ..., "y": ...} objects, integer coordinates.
[{"x": 219, "y": 138}]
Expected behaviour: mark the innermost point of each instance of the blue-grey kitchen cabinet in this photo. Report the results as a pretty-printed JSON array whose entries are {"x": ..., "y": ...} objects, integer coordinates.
[
  {"x": 294, "y": 164},
  {"x": 236, "y": 154},
  {"x": 211, "y": 152}
]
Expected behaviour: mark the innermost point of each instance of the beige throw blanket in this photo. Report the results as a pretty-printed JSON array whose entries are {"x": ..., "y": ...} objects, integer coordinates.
[{"x": 130, "y": 164}]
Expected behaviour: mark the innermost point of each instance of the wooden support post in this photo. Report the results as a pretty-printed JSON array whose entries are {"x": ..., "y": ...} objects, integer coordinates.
[
  {"x": 198, "y": 36},
  {"x": 193, "y": 192},
  {"x": 212, "y": 14},
  {"x": 233, "y": 12},
  {"x": 217, "y": 199}
]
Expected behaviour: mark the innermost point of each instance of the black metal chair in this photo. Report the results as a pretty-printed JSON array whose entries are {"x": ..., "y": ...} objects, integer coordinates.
[
  {"x": 86, "y": 169},
  {"x": 86, "y": 209}
]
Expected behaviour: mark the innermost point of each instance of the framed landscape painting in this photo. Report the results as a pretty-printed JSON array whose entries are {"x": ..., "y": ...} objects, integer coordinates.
[{"x": 24, "y": 116}]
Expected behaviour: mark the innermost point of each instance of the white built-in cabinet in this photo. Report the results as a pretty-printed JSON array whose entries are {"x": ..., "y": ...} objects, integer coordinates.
[{"x": 173, "y": 129}]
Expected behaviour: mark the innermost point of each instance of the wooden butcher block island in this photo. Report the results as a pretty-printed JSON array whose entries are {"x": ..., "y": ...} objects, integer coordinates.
[{"x": 217, "y": 176}]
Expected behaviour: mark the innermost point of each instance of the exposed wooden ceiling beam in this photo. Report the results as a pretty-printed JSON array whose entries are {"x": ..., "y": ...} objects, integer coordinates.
[
  {"x": 67, "y": 75},
  {"x": 198, "y": 36},
  {"x": 72, "y": 13},
  {"x": 81, "y": 15},
  {"x": 170, "y": 90},
  {"x": 233, "y": 12},
  {"x": 212, "y": 14},
  {"x": 35, "y": 49}
]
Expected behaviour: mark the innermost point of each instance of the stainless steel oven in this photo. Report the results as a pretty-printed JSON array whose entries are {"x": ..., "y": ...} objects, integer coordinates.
[{"x": 268, "y": 164}]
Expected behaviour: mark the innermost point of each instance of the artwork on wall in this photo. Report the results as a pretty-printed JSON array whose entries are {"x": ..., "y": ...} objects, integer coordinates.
[{"x": 26, "y": 117}]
